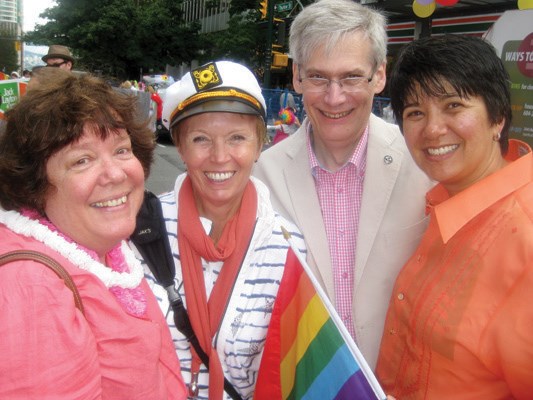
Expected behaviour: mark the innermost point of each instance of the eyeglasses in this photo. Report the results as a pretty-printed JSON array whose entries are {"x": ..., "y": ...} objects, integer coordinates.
[
  {"x": 320, "y": 85},
  {"x": 56, "y": 65}
]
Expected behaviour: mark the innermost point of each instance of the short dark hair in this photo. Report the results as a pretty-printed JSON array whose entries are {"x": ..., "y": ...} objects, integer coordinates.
[
  {"x": 54, "y": 115},
  {"x": 469, "y": 64}
]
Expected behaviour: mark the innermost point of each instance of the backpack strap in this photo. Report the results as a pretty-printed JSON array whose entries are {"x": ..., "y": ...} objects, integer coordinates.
[
  {"x": 151, "y": 239},
  {"x": 49, "y": 262}
]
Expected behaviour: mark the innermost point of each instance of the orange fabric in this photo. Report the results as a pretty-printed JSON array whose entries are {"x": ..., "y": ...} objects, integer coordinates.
[
  {"x": 195, "y": 244},
  {"x": 460, "y": 320},
  {"x": 292, "y": 313},
  {"x": 159, "y": 102}
]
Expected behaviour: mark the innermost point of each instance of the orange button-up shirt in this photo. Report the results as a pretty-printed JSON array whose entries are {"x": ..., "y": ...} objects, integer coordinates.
[{"x": 460, "y": 320}]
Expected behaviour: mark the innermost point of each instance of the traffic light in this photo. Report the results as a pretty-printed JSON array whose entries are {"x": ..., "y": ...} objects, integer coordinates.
[
  {"x": 264, "y": 8},
  {"x": 279, "y": 60}
]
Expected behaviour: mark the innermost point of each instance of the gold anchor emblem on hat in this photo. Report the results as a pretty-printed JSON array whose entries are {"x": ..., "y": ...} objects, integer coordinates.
[{"x": 206, "y": 77}]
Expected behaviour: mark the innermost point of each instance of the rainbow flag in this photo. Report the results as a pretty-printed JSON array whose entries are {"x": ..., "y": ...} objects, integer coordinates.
[{"x": 306, "y": 355}]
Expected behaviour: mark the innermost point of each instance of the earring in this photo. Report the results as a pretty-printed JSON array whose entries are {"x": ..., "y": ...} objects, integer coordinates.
[{"x": 497, "y": 137}]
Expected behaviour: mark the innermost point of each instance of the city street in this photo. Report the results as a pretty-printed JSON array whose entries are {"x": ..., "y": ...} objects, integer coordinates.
[{"x": 167, "y": 166}]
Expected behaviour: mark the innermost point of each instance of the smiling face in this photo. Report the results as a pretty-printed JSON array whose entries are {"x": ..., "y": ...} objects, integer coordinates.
[
  {"x": 97, "y": 190},
  {"x": 339, "y": 117},
  {"x": 451, "y": 138},
  {"x": 219, "y": 150}
]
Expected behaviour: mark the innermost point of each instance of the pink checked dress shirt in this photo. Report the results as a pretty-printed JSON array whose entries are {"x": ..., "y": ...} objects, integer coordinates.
[{"x": 339, "y": 194}]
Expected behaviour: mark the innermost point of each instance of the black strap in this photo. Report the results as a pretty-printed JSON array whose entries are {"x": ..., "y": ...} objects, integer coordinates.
[{"x": 151, "y": 239}]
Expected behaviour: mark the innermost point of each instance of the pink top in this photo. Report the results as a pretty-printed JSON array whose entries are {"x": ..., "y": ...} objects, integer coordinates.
[{"x": 49, "y": 350}]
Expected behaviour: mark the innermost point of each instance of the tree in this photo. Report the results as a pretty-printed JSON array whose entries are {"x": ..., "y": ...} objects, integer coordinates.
[
  {"x": 120, "y": 38},
  {"x": 241, "y": 42},
  {"x": 8, "y": 53},
  {"x": 244, "y": 39},
  {"x": 164, "y": 38}
]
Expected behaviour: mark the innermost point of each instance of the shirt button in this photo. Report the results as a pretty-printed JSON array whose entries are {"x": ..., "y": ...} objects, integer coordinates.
[
  {"x": 392, "y": 331},
  {"x": 344, "y": 275},
  {"x": 401, "y": 296}
]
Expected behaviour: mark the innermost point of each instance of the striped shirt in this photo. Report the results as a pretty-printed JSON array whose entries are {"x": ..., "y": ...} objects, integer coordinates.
[
  {"x": 339, "y": 194},
  {"x": 242, "y": 333}
]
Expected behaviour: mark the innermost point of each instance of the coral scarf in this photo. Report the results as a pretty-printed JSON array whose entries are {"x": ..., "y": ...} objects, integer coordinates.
[{"x": 195, "y": 244}]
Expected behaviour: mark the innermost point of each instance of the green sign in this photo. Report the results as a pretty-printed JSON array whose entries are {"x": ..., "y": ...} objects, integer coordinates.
[
  {"x": 10, "y": 92},
  {"x": 283, "y": 6}
]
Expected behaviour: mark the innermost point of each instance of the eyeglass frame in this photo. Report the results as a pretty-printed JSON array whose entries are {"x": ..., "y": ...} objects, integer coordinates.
[{"x": 337, "y": 81}]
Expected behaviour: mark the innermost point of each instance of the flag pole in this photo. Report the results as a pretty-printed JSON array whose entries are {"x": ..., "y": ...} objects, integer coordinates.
[{"x": 365, "y": 368}]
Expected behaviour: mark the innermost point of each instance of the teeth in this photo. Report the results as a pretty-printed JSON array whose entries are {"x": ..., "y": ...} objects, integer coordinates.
[
  {"x": 219, "y": 176},
  {"x": 336, "y": 116},
  {"x": 111, "y": 203},
  {"x": 439, "y": 151}
]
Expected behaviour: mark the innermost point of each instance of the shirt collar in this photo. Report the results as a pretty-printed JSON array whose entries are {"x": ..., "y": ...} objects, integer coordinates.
[
  {"x": 357, "y": 158},
  {"x": 452, "y": 213}
]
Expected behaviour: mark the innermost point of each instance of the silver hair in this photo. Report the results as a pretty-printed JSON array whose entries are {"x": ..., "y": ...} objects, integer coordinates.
[{"x": 326, "y": 22}]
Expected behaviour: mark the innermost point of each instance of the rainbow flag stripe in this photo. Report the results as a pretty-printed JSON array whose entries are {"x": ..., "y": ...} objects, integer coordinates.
[{"x": 305, "y": 356}]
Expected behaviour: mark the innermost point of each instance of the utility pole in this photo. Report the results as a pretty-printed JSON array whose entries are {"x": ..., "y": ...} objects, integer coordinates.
[{"x": 268, "y": 52}]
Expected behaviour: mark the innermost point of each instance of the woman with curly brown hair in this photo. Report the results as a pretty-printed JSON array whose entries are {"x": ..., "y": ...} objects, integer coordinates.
[{"x": 72, "y": 168}]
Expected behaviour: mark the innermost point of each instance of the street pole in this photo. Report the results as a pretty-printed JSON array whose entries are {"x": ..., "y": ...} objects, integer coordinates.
[{"x": 268, "y": 52}]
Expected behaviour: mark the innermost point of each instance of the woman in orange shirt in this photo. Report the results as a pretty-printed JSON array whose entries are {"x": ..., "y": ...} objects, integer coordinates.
[{"x": 460, "y": 318}]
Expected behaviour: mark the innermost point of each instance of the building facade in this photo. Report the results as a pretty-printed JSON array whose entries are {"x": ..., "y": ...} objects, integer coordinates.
[
  {"x": 11, "y": 23},
  {"x": 212, "y": 14}
]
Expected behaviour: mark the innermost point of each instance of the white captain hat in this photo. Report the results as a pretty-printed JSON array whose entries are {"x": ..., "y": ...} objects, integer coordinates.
[{"x": 221, "y": 86}]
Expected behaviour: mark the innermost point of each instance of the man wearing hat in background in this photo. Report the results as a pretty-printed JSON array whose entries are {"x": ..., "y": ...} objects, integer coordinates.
[{"x": 59, "y": 57}]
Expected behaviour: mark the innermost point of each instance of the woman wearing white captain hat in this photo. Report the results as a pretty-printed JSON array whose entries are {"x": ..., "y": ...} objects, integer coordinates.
[{"x": 225, "y": 237}]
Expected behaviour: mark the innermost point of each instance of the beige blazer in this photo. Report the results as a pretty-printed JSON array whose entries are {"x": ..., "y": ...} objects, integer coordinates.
[{"x": 392, "y": 219}]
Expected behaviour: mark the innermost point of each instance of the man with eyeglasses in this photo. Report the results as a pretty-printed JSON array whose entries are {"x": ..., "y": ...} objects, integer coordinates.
[
  {"x": 346, "y": 177},
  {"x": 59, "y": 57}
]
